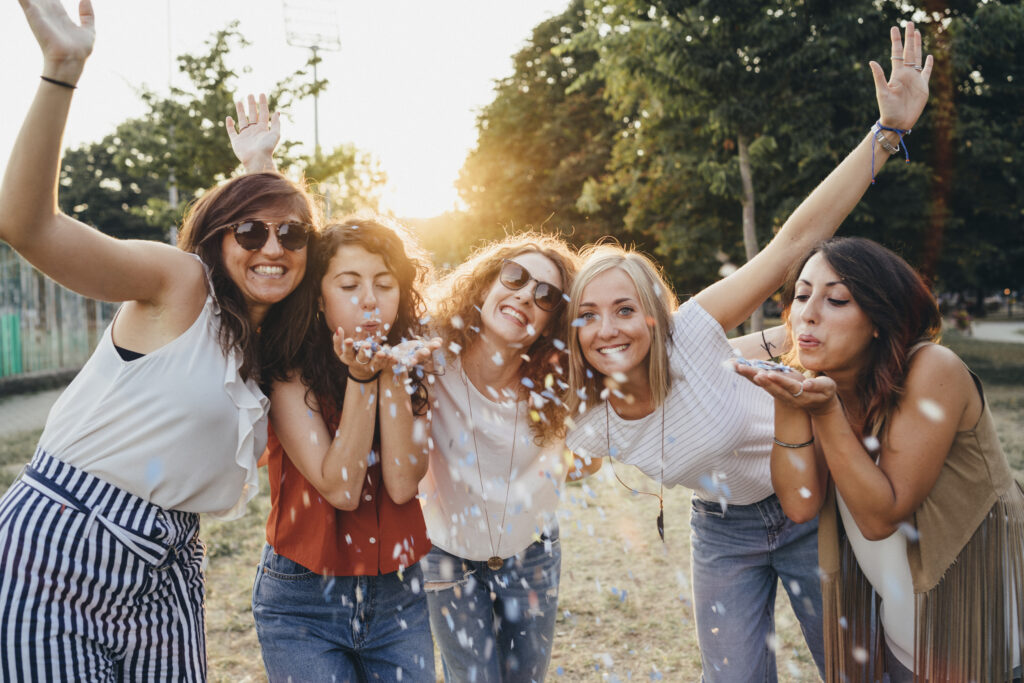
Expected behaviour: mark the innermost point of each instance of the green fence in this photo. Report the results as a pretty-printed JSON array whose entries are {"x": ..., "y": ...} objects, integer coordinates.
[{"x": 44, "y": 327}]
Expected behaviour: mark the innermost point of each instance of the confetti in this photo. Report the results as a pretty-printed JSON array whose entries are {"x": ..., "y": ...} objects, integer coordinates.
[{"x": 931, "y": 410}]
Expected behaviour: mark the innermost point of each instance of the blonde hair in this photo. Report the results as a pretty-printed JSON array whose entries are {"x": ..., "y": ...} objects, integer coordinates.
[
  {"x": 656, "y": 299},
  {"x": 456, "y": 300}
]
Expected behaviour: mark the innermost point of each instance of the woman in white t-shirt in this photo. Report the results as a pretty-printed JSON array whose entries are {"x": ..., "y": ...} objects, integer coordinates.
[
  {"x": 100, "y": 563},
  {"x": 498, "y": 460},
  {"x": 651, "y": 386}
]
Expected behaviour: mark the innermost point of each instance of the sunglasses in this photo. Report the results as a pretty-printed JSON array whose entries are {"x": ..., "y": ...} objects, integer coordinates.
[
  {"x": 252, "y": 235},
  {"x": 545, "y": 295}
]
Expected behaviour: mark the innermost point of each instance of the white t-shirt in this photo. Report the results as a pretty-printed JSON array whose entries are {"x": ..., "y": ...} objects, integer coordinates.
[
  {"x": 718, "y": 425},
  {"x": 177, "y": 427},
  {"x": 503, "y": 474}
]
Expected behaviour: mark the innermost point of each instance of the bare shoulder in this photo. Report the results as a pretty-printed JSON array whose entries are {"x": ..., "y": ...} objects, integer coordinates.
[{"x": 936, "y": 361}]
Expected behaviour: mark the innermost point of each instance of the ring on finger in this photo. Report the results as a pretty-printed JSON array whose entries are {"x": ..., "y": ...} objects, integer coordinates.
[
  {"x": 359, "y": 360},
  {"x": 895, "y": 58},
  {"x": 918, "y": 68},
  {"x": 799, "y": 393},
  {"x": 910, "y": 64}
]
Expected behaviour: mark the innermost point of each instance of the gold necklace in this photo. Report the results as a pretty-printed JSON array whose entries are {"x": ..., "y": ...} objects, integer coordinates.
[
  {"x": 494, "y": 562},
  {"x": 660, "y": 521}
]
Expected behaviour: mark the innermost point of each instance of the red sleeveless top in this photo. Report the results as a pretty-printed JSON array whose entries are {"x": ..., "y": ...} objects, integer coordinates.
[{"x": 378, "y": 537}]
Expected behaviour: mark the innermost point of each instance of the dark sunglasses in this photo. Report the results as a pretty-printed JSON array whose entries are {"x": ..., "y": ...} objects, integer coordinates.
[
  {"x": 252, "y": 235},
  {"x": 545, "y": 295}
]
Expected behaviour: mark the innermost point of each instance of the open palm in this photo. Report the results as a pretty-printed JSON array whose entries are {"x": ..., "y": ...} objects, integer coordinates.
[{"x": 65, "y": 44}]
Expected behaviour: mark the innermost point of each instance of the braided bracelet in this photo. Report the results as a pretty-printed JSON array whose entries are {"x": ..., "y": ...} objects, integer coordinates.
[{"x": 886, "y": 145}]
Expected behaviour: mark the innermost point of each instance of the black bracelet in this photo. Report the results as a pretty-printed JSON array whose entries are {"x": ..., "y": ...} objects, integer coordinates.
[
  {"x": 793, "y": 445},
  {"x": 368, "y": 380},
  {"x": 62, "y": 84}
]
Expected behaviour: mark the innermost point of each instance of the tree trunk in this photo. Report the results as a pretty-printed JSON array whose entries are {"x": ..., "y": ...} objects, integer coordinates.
[
  {"x": 749, "y": 233},
  {"x": 943, "y": 114}
]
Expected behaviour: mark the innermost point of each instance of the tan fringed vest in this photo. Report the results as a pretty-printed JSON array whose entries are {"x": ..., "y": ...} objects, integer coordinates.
[{"x": 967, "y": 567}]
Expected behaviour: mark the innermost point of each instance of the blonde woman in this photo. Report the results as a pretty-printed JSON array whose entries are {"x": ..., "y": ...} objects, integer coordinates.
[
  {"x": 649, "y": 387},
  {"x": 498, "y": 462}
]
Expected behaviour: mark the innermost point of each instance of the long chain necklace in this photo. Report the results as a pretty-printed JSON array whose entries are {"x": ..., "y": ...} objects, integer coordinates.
[
  {"x": 660, "y": 521},
  {"x": 494, "y": 562}
]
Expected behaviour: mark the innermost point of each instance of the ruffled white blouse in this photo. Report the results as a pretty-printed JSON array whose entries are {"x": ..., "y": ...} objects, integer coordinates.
[{"x": 177, "y": 427}]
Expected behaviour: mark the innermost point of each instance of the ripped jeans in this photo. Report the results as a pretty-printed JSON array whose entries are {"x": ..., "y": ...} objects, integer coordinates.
[{"x": 493, "y": 626}]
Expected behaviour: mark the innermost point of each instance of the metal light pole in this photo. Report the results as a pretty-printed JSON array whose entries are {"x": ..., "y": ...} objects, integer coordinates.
[{"x": 313, "y": 25}]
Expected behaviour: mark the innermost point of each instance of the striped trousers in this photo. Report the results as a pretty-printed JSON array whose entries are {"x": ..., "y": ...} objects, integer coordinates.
[{"x": 96, "y": 584}]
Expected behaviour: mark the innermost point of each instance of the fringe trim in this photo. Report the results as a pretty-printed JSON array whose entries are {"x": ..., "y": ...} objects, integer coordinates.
[
  {"x": 965, "y": 626},
  {"x": 963, "y": 629}
]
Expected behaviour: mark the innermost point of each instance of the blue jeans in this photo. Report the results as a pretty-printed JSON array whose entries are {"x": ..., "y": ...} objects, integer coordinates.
[
  {"x": 494, "y": 626},
  {"x": 738, "y": 558},
  {"x": 341, "y": 628}
]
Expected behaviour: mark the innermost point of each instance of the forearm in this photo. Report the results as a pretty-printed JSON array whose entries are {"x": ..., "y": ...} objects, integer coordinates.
[
  {"x": 28, "y": 195},
  {"x": 865, "y": 488},
  {"x": 797, "y": 475},
  {"x": 344, "y": 465},
  {"x": 403, "y": 443}
]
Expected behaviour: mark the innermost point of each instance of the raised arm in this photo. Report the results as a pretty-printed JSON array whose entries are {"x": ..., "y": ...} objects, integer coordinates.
[
  {"x": 900, "y": 102},
  {"x": 257, "y": 134},
  {"x": 75, "y": 255}
]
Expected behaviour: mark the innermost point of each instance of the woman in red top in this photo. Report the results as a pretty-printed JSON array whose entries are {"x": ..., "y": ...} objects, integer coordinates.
[{"x": 338, "y": 594}]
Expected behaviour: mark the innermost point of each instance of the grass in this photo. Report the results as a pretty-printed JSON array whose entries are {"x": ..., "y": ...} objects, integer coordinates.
[{"x": 625, "y": 611}]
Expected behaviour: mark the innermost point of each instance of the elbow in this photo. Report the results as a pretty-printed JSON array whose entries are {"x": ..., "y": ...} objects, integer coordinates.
[
  {"x": 800, "y": 514},
  {"x": 876, "y": 530},
  {"x": 403, "y": 494},
  {"x": 343, "y": 500}
]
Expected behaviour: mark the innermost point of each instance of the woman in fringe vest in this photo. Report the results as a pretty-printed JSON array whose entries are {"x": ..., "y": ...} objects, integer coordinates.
[{"x": 921, "y": 533}]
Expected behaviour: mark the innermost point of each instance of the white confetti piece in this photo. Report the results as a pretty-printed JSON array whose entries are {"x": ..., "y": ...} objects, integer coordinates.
[{"x": 931, "y": 410}]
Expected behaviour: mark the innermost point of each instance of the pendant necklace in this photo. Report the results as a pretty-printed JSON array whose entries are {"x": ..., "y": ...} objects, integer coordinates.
[
  {"x": 494, "y": 562},
  {"x": 660, "y": 521}
]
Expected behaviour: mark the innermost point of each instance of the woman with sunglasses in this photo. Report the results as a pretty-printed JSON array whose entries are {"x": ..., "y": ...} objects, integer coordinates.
[
  {"x": 499, "y": 460},
  {"x": 100, "y": 560},
  {"x": 650, "y": 387}
]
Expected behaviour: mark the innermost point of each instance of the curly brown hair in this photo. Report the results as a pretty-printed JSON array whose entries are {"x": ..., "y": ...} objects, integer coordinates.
[
  {"x": 277, "y": 341},
  {"x": 321, "y": 370},
  {"x": 456, "y": 301}
]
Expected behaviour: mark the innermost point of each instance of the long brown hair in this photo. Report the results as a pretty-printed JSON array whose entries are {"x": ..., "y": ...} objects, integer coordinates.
[
  {"x": 456, "y": 304},
  {"x": 897, "y": 302},
  {"x": 280, "y": 333},
  {"x": 322, "y": 372}
]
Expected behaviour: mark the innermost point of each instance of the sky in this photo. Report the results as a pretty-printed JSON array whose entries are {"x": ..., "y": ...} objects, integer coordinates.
[{"x": 406, "y": 85}]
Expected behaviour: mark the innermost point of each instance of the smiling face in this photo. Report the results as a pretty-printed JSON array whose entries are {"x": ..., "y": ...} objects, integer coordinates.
[
  {"x": 358, "y": 293},
  {"x": 267, "y": 275},
  {"x": 511, "y": 317},
  {"x": 831, "y": 333},
  {"x": 615, "y": 336}
]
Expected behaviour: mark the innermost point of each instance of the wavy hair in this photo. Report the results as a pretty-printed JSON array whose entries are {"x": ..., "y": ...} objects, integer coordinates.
[
  {"x": 456, "y": 301},
  {"x": 897, "y": 302},
  {"x": 657, "y": 301},
  {"x": 318, "y": 364},
  {"x": 277, "y": 340}
]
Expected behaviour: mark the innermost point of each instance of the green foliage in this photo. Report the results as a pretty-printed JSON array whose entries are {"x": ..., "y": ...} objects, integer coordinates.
[
  {"x": 539, "y": 144},
  {"x": 121, "y": 183}
]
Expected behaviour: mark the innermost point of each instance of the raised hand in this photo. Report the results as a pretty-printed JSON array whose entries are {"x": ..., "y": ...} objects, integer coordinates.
[
  {"x": 65, "y": 44},
  {"x": 257, "y": 134},
  {"x": 412, "y": 353},
  {"x": 902, "y": 98}
]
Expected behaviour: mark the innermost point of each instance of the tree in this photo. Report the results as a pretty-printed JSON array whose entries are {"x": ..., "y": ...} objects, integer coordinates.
[
  {"x": 121, "y": 183},
  {"x": 539, "y": 143}
]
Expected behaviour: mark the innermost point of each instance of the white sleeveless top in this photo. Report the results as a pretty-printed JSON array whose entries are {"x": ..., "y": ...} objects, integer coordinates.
[
  {"x": 177, "y": 427},
  {"x": 718, "y": 426},
  {"x": 456, "y": 495}
]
